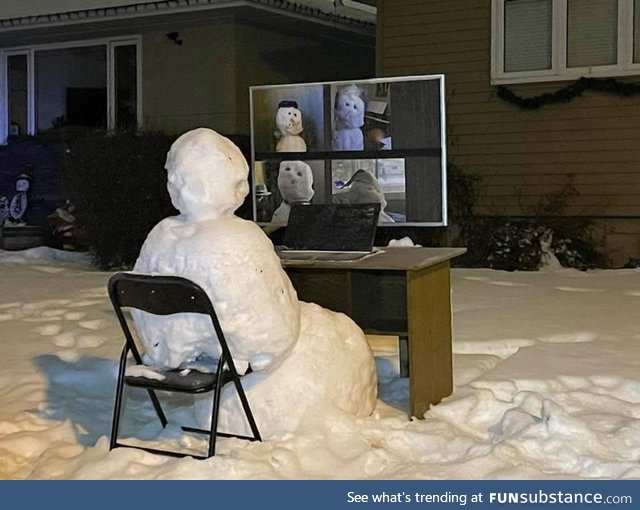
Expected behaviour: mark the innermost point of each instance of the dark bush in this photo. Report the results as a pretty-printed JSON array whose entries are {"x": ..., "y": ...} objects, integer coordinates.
[
  {"x": 522, "y": 244},
  {"x": 632, "y": 263},
  {"x": 462, "y": 196},
  {"x": 117, "y": 183},
  {"x": 518, "y": 246},
  {"x": 465, "y": 227},
  {"x": 578, "y": 254},
  {"x": 519, "y": 243}
]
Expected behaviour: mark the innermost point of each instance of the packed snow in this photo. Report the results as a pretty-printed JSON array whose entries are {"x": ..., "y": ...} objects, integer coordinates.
[
  {"x": 546, "y": 368},
  {"x": 321, "y": 357},
  {"x": 231, "y": 258},
  {"x": 544, "y": 387}
]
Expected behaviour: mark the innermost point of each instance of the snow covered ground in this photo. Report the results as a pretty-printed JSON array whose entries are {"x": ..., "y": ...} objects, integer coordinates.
[{"x": 547, "y": 376}]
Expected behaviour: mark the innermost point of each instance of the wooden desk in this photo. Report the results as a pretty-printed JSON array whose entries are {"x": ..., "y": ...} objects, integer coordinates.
[{"x": 402, "y": 291}]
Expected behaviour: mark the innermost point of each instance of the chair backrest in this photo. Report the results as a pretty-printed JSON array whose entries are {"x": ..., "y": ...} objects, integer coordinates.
[{"x": 161, "y": 295}]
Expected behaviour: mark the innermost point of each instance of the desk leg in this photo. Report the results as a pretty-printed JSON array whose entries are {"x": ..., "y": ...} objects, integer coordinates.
[
  {"x": 429, "y": 320},
  {"x": 403, "y": 355}
]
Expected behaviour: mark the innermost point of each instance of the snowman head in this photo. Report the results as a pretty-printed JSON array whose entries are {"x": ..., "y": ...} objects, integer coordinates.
[
  {"x": 289, "y": 118},
  {"x": 206, "y": 175},
  {"x": 295, "y": 181},
  {"x": 349, "y": 107}
]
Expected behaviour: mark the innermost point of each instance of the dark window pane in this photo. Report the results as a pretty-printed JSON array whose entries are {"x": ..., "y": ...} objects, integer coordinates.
[{"x": 126, "y": 86}]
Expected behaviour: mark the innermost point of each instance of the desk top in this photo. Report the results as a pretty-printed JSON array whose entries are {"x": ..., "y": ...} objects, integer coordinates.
[{"x": 396, "y": 258}]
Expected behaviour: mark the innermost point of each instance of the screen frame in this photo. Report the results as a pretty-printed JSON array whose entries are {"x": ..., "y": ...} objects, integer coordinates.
[{"x": 440, "y": 78}]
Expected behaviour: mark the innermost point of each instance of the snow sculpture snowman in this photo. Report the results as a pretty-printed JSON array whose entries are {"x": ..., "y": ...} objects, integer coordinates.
[
  {"x": 349, "y": 118},
  {"x": 289, "y": 122},
  {"x": 4, "y": 210},
  {"x": 306, "y": 361},
  {"x": 21, "y": 201},
  {"x": 295, "y": 182},
  {"x": 207, "y": 182}
]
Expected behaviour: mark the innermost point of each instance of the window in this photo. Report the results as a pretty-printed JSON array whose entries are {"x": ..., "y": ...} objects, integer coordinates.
[
  {"x": 125, "y": 77},
  {"x": 592, "y": 33},
  {"x": 17, "y": 93},
  {"x": 545, "y": 40},
  {"x": 527, "y": 35},
  {"x": 636, "y": 32},
  {"x": 91, "y": 83},
  {"x": 71, "y": 87}
]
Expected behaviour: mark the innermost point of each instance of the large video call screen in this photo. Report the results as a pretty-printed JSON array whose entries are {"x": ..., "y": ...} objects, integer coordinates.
[{"x": 370, "y": 141}]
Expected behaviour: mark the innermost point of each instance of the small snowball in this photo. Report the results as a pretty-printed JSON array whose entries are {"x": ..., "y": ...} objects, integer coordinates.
[
  {"x": 144, "y": 371},
  {"x": 405, "y": 242}
]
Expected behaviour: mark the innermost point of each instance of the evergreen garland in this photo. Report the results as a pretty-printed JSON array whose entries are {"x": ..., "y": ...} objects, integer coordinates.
[{"x": 570, "y": 92}]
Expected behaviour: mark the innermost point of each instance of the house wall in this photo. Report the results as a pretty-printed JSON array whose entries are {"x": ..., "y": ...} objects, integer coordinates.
[
  {"x": 521, "y": 155},
  {"x": 205, "y": 81},
  {"x": 193, "y": 84},
  {"x": 268, "y": 57}
]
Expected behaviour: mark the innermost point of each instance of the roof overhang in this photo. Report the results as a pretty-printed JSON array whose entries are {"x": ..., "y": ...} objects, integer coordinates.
[{"x": 283, "y": 15}]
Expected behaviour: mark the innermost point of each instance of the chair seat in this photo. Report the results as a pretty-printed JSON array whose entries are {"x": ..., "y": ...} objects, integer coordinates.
[{"x": 193, "y": 381}]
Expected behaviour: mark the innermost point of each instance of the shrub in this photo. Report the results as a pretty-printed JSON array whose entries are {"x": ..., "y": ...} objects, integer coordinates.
[
  {"x": 520, "y": 243},
  {"x": 117, "y": 183},
  {"x": 462, "y": 195},
  {"x": 578, "y": 254},
  {"x": 518, "y": 246}
]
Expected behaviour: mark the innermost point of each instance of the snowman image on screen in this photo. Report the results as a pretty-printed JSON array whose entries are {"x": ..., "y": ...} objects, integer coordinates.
[
  {"x": 363, "y": 188},
  {"x": 295, "y": 182},
  {"x": 349, "y": 108},
  {"x": 289, "y": 122},
  {"x": 304, "y": 358}
]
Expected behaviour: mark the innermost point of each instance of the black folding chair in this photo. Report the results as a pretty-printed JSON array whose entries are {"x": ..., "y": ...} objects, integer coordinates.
[{"x": 166, "y": 295}]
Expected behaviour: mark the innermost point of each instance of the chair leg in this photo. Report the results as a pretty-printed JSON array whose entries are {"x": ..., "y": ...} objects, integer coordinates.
[
  {"x": 152, "y": 394},
  {"x": 215, "y": 407},
  {"x": 119, "y": 401},
  {"x": 403, "y": 351},
  {"x": 247, "y": 409},
  {"x": 117, "y": 407},
  {"x": 158, "y": 408}
]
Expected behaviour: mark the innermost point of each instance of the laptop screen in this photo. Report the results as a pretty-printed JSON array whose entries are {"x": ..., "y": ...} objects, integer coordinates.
[{"x": 332, "y": 227}]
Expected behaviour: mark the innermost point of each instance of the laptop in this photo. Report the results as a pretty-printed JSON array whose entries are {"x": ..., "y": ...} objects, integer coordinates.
[{"x": 329, "y": 232}]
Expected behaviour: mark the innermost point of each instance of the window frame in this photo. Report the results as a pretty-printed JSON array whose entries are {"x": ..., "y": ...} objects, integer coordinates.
[
  {"x": 109, "y": 43},
  {"x": 559, "y": 70}
]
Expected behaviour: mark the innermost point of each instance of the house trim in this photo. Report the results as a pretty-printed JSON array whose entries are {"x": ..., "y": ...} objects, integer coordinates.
[{"x": 343, "y": 15}]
